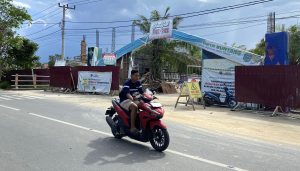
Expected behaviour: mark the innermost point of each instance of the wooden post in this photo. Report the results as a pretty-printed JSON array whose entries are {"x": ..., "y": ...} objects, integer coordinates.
[
  {"x": 16, "y": 81},
  {"x": 34, "y": 81},
  {"x": 72, "y": 78}
]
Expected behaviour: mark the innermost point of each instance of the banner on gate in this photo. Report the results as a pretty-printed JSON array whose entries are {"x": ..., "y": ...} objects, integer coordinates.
[
  {"x": 216, "y": 74},
  {"x": 161, "y": 29},
  {"x": 99, "y": 82}
]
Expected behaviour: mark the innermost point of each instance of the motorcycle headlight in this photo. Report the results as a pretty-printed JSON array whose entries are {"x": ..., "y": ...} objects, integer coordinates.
[{"x": 156, "y": 114}]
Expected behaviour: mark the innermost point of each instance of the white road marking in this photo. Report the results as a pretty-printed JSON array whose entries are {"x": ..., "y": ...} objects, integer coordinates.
[
  {"x": 7, "y": 107},
  {"x": 18, "y": 97},
  {"x": 11, "y": 97},
  {"x": 36, "y": 97},
  {"x": 168, "y": 150},
  {"x": 70, "y": 124},
  {"x": 24, "y": 97},
  {"x": 3, "y": 98}
]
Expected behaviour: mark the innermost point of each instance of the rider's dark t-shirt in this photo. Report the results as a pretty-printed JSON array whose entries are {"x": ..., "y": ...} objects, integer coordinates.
[{"x": 130, "y": 87}]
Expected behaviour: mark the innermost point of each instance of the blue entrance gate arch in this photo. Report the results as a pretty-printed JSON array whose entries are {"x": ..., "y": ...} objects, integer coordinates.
[
  {"x": 218, "y": 63},
  {"x": 236, "y": 55}
]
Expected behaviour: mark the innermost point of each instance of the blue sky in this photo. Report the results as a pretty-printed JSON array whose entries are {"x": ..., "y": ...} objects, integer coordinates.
[{"x": 111, "y": 10}]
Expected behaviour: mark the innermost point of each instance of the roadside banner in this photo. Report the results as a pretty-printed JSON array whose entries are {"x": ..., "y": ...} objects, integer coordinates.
[
  {"x": 218, "y": 74},
  {"x": 60, "y": 62},
  {"x": 93, "y": 53},
  {"x": 99, "y": 82},
  {"x": 277, "y": 48},
  {"x": 190, "y": 90},
  {"x": 161, "y": 29},
  {"x": 109, "y": 59},
  {"x": 194, "y": 90},
  {"x": 230, "y": 53}
]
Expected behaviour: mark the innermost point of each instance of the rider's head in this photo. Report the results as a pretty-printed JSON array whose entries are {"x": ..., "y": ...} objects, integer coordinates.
[{"x": 135, "y": 76}]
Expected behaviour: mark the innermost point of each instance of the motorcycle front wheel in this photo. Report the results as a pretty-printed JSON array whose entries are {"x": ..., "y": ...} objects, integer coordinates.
[
  {"x": 159, "y": 139},
  {"x": 232, "y": 103}
]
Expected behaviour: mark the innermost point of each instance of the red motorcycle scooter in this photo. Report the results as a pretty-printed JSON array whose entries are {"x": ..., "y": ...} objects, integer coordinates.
[{"x": 147, "y": 122}]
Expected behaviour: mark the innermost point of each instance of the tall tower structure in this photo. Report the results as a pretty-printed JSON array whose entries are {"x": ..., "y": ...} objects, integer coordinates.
[{"x": 83, "y": 50}]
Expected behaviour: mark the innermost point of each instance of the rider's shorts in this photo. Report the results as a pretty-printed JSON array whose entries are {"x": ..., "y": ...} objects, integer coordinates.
[{"x": 126, "y": 104}]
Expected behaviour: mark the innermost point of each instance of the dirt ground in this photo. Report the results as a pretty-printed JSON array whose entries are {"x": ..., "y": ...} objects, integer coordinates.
[{"x": 283, "y": 129}]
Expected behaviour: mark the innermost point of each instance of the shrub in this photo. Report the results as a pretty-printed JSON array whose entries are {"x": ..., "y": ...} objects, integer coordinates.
[{"x": 5, "y": 85}]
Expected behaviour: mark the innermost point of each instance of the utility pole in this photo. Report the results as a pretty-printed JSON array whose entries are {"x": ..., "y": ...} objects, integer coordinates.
[
  {"x": 113, "y": 40},
  {"x": 132, "y": 33},
  {"x": 97, "y": 39},
  {"x": 271, "y": 23},
  {"x": 64, "y": 7}
]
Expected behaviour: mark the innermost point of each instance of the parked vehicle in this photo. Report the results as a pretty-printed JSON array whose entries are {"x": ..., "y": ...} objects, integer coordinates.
[
  {"x": 148, "y": 122},
  {"x": 211, "y": 98}
]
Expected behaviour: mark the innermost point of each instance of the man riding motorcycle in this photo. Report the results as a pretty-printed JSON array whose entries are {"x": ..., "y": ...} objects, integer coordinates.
[{"x": 127, "y": 98}]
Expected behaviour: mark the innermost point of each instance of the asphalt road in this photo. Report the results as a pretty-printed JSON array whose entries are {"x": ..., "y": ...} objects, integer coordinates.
[{"x": 44, "y": 134}]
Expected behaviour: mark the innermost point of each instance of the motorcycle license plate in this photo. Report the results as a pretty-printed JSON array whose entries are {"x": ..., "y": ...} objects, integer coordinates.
[{"x": 153, "y": 104}]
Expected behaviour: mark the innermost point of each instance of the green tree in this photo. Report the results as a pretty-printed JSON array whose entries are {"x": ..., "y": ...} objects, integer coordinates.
[
  {"x": 11, "y": 18},
  {"x": 156, "y": 45},
  {"x": 22, "y": 54},
  {"x": 260, "y": 48},
  {"x": 52, "y": 59},
  {"x": 173, "y": 55},
  {"x": 294, "y": 46}
]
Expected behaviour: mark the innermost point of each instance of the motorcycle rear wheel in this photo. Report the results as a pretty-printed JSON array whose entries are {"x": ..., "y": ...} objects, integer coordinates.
[
  {"x": 159, "y": 139},
  {"x": 115, "y": 133},
  {"x": 208, "y": 102}
]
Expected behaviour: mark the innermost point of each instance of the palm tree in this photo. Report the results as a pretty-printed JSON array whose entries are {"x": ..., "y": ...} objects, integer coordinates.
[{"x": 156, "y": 45}]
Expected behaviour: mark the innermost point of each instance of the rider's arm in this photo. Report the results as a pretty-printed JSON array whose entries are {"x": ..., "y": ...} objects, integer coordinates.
[
  {"x": 140, "y": 88},
  {"x": 129, "y": 96}
]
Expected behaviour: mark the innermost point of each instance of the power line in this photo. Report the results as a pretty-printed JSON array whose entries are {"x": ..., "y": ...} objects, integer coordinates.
[
  {"x": 251, "y": 3},
  {"x": 210, "y": 12},
  {"x": 47, "y": 8},
  {"x": 230, "y": 8},
  {"x": 54, "y": 5},
  {"x": 89, "y": 2},
  {"x": 46, "y": 35},
  {"x": 42, "y": 23},
  {"x": 214, "y": 10},
  {"x": 232, "y": 30},
  {"x": 41, "y": 30},
  {"x": 216, "y": 23},
  {"x": 207, "y": 12},
  {"x": 186, "y": 28},
  {"x": 103, "y": 28},
  {"x": 47, "y": 14},
  {"x": 59, "y": 12},
  {"x": 259, "y": 16}
]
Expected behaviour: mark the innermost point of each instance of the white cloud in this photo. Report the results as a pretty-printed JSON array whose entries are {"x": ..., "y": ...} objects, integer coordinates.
[
  {"x": 40, "y": 21},
  {"x": 21, "y": 4},
  {"x": 125, "y": 12},
  {"x": 68, "y": 15}
]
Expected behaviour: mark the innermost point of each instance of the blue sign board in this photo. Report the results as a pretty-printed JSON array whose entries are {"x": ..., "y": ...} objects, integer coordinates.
[{"x": 276, "y": 49}]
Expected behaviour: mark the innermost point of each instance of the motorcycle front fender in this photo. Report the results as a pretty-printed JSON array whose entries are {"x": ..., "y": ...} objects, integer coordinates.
[
  {"x": 157, "y": 123},
  {"x": 212, "y": 97}
]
